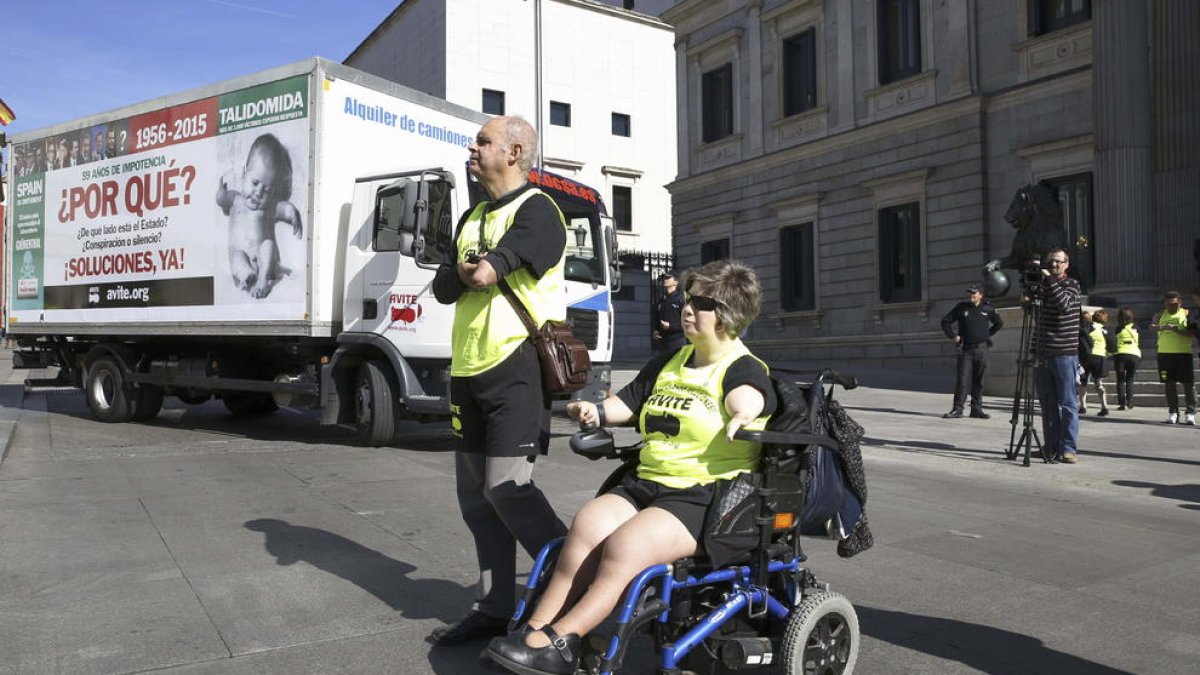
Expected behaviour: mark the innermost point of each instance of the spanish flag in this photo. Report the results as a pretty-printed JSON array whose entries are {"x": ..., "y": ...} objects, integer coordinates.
[{"x": 6, "y": 114}]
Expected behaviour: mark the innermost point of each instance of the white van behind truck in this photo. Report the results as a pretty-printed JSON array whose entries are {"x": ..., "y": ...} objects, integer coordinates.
[{"x": 266, "y": 241}]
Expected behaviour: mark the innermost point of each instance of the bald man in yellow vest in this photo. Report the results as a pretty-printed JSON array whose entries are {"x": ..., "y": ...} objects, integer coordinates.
[{"x": 500, "y": 412}]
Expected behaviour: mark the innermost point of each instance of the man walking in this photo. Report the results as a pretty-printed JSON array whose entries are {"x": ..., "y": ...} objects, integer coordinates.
[
  {"x": 1175, "y": 357},
  {"x": 1056, "y": 349},
  {"x": 500, "y": 412},
  {"x": 971, "y": 324}
]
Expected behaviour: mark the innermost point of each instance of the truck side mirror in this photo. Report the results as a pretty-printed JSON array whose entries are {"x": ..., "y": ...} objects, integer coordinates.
[{"x": 610, "y": 250}]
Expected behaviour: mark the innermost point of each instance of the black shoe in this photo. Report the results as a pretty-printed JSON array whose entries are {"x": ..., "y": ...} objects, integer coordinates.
[
  {"x": 561, "y": 657},
  {"x": 473, "y": 626},
  {"x": 979, "y": 414},
  {"x": 1103, "y": 412},
  {"x": 952, "y": 415}
]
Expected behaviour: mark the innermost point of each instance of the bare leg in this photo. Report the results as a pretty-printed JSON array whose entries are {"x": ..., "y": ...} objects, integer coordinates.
[
  {"x": 268, "y": 262},
  {"x": 580, "y": 555},
  {"x": 651, "y": 537},
  {"x": 242, "y": 269}
]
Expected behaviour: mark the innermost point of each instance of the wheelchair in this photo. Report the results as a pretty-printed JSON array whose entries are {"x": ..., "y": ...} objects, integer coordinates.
[{"x": 763, "y": 609}]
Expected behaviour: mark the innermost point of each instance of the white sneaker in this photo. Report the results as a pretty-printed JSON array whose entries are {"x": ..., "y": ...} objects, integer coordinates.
[
  {"x": 1190, "y": 419},
  {"x": 1172, "y": 418}
]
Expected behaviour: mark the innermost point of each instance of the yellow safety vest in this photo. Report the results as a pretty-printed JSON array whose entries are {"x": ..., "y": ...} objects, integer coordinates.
[
  {"x": 683, "y": 423},
  {"x": 1097, "y": 335},
  {"x": 1170, "y": 342},
  {"x": 1127, "y": 340},
  {"x": 487, "y": 329}
]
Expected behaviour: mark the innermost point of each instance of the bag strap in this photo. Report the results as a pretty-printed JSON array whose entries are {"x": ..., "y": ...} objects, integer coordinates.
[{"x": 518, "y": 307}]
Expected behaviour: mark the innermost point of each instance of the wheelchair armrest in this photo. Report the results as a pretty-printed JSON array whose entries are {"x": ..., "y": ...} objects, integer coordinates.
[{"x": 786, "y": 438}]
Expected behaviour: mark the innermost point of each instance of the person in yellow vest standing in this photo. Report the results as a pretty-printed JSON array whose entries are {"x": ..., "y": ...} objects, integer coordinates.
[
  {"x": 1094, "y": 359},
  {"x": 1127, "y": 357},
  {"x": 499, "y": 410},
  {"x": 1175, "y": 357}
]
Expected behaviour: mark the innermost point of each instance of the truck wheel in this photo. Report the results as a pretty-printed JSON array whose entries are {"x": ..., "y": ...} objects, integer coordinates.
[
  {"x": 246, "y": 403},
  {"x": 149, "y": 402},
  {"x": 374, "y": 404},
  {"x": 821, "y": 636},
  {"x": 108, "y": 393}
]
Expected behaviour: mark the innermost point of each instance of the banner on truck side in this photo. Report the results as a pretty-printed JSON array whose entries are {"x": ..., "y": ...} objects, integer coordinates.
[{"x": 191, "y": 213}]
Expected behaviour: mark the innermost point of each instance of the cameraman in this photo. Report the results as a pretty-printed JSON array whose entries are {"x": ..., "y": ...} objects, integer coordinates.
[{"x": 1056, "y": 346}]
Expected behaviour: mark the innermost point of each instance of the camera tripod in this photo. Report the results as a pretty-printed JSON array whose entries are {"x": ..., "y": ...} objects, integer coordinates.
[{"x": 1024, "y": 394}]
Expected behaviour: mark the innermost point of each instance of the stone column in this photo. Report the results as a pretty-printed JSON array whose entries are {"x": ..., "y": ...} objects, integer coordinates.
[{"x": 1123, "y": 187}]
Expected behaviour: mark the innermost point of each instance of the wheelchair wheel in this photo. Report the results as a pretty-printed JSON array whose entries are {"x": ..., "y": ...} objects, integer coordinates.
[{"x": 821, "y": 636}]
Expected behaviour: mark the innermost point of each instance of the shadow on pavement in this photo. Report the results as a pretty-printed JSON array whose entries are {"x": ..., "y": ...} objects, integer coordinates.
[
  {"x": 967, "y": 643},
  {"x": 1185, "y": 493},
  {"x": 384, "y": 577}
]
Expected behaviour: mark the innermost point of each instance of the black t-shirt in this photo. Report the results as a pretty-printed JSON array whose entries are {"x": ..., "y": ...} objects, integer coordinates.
[{"x": 746, "y": 370}]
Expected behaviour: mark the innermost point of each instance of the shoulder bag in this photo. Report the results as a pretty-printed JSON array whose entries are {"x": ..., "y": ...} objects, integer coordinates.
[{"x": 563, "y": 357}]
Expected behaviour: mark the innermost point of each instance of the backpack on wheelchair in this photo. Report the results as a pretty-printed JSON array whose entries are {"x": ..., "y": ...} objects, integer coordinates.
[{"x": 747, "y": 600}]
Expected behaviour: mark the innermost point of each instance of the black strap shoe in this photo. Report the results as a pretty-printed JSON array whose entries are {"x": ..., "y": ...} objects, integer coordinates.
[
  {"x": 473, "y": 626},
  {"x": 952, "y": 415},
  {"x": 979, "y": 414},
  {"x": 561, "y": 657}
]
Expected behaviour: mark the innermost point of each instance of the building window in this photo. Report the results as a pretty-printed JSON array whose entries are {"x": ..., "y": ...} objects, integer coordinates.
[
  {"x": 622, "y": 213},
  {"x": 716, "y": 249},
  {"x": 1047, "y": 16},
  {"x": 797, "y": 274},
  {"x": 493, "y": 102},
  {"x": 1074, "y": 194},
  {"x": 560, "y": 114},
  {"x": 628, "y": 4},
  {"x": 899, "y": 39},
  {"x": 800, "y": 72},
  {"x": 620, "y": 124},
  {"x": 716, "y": 109},
  {"x": 900, "y": 253}
]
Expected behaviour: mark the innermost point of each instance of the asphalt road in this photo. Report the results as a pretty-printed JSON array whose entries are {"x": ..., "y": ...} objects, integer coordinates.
[{"x": 199, "y": 543}]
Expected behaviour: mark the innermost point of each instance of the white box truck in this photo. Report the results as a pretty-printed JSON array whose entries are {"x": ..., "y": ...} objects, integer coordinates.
[{"x": 266, "y": 241}]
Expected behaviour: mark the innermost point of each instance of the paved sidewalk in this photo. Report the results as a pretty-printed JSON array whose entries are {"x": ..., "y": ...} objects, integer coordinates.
[{"x": 198, "y": 544}]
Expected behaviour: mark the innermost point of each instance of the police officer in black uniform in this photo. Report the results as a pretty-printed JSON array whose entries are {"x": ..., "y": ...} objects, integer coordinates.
[
  {"x": 668, "y": 334},
  {"x": 970, "y": 325}
]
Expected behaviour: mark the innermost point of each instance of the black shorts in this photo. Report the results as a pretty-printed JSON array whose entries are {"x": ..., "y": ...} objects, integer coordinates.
[
  {"x": 688, "y": 505},
  {"x": 1095, "y": 368},
  {"x": 503, "y": 412},
  {"x": 1175, "y": 368}
]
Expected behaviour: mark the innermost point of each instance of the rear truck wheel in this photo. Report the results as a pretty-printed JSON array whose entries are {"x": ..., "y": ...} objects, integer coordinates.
[
  {"x": 821, "y": 636},
  {"x": 374, "y": 404},
  {"x": 149, "y": 401},
  {"x": 108, "y": 393},
  {"x": 247, "y": 403}
]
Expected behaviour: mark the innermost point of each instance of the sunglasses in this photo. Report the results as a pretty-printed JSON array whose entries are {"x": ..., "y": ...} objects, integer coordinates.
[{"x": 701, "y": 303}]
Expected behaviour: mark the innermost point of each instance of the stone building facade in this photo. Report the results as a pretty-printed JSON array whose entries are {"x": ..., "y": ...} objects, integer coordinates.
[{"x": 861, "y": 155}]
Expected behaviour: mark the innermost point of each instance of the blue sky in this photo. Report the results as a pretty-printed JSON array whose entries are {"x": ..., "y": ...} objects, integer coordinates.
[{"x": 65, "y": 59}]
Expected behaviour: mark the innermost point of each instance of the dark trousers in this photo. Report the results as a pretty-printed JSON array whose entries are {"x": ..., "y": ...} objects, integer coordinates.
[
  {"x": 1126, "y": 366},
  {"x": 972, "y": 364}
]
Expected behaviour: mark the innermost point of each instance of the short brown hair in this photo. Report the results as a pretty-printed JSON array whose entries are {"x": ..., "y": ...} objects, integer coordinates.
[{"x": 735, "y": 286}]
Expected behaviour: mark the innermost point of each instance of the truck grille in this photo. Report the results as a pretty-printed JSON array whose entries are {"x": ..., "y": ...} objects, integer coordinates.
[{"x": 585, "y": 323}]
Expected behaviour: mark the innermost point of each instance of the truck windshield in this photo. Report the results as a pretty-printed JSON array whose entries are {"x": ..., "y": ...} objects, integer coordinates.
[{"x": 584, "y": 258}]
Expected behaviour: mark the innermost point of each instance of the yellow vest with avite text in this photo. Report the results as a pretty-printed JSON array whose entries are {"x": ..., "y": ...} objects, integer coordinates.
[
  {"x": 1127, "y": 340},
  {"x": 1170, "y": 342},
  {"x": 487, "y": 329},
  {"x": 683, "y": 425}
]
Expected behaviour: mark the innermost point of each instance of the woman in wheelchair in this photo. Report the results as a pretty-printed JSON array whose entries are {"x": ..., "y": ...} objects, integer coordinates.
[{"x": 688, "y": 405}]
